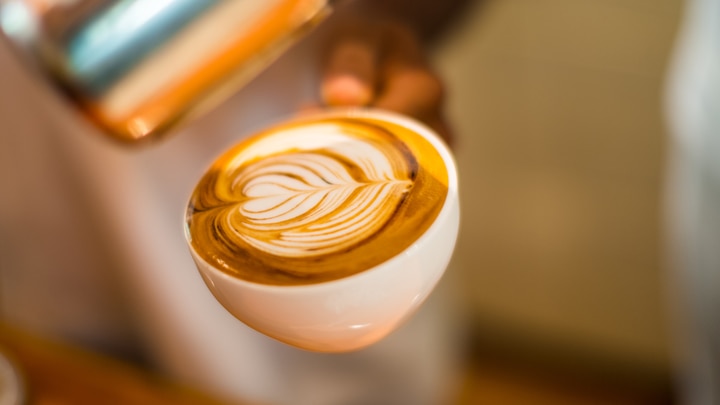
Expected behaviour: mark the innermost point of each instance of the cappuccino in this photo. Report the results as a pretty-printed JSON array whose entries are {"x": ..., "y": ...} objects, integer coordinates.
[{"x": 316, "y": 200}]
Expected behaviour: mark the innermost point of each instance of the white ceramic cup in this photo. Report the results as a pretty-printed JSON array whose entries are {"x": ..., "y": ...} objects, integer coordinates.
[{"x": 355, "y": 311}]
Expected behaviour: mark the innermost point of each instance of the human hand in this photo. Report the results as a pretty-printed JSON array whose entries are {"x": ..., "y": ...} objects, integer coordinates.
[{"x": 382, "y": 65}]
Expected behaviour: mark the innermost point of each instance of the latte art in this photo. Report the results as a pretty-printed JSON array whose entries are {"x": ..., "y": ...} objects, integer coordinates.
[
  {"x": 310, "y": 204},
  {"x": 315, "y": 201}
]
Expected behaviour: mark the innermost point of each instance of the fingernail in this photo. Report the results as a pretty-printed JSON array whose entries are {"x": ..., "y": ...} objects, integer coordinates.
[{"x": 345, "y": 90}]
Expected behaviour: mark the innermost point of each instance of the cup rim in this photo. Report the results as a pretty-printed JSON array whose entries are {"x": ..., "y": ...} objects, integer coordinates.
[{"x": 423, "y": 130}]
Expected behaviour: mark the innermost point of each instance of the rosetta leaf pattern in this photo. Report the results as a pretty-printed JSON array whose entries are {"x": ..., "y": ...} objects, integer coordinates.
[{"x": 313, "y": 203}]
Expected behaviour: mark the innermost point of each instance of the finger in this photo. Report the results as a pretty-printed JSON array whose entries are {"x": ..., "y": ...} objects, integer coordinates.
[
  {"x": 408, "y": 84},
  {"x": 350, "y": 72},
  {"x": 419, "y": 94},
  {"x": 308, "y": 108},
  {"x": 412, "y": 91}
]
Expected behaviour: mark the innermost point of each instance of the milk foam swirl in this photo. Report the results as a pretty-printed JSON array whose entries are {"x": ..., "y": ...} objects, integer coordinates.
[
  {"x": 310, "y": 201},
  {"x": 316, "y": 199}
]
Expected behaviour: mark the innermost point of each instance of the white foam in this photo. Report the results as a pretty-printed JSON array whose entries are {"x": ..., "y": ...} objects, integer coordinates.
[{"x": 301, "y": 200}]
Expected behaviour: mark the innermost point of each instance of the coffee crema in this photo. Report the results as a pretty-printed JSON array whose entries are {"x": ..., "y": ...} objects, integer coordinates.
[{"x": 316, "y": 200}]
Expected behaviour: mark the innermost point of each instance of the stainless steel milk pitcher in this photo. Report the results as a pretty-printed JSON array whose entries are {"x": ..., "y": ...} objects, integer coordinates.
[{"x": 137, "y": 68}]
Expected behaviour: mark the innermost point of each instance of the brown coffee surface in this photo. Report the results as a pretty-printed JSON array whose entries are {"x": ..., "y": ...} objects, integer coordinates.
[{"x": 316, "y": 200}]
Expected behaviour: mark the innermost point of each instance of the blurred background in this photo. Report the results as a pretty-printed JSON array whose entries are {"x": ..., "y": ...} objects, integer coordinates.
[
  {"x": 557, "y": 106},
  {"x": 559, "y": 109}
]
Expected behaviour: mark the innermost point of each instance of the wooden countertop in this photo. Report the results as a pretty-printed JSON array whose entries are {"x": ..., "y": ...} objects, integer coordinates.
[{"x": 55, "y": 373}]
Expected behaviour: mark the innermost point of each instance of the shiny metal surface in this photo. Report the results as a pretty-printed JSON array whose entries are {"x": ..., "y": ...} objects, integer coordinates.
[{"x": 137, "y": 68}]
